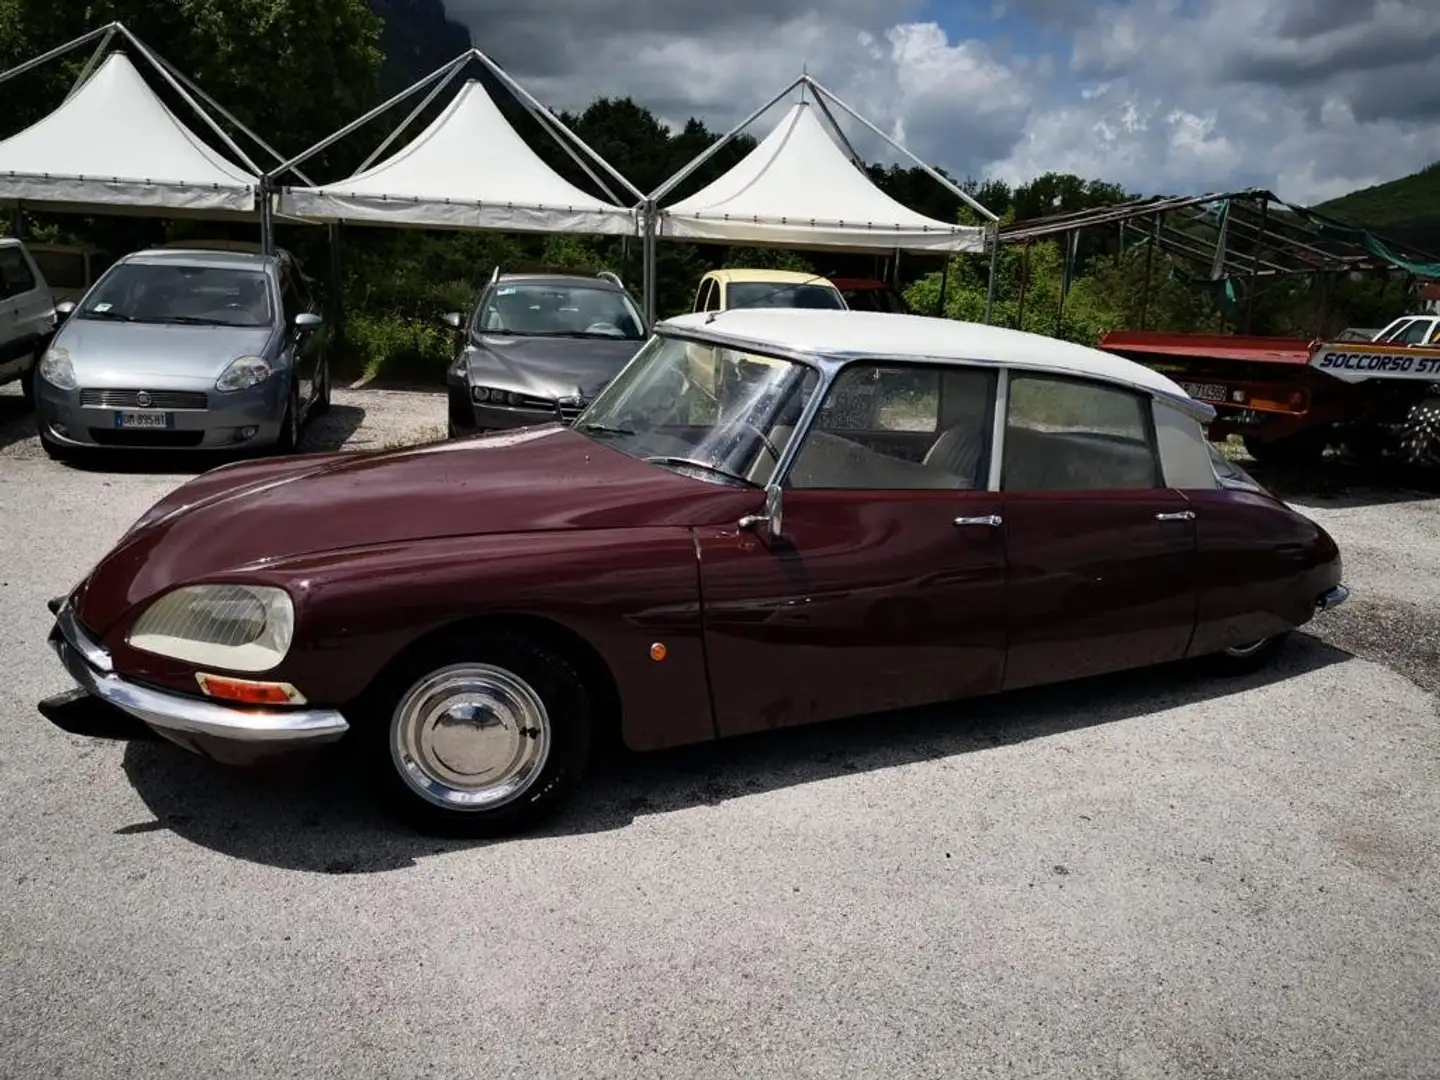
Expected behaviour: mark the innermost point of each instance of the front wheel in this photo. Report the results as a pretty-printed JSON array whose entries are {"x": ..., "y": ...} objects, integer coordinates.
[
  {"x": 289, "y": 439},
  {"x": 27, "y": 380},
  {"x": 479, "y": 735}
]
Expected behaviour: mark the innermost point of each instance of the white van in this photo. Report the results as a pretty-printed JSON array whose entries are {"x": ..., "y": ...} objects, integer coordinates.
[{"x": 27, "y": 314}]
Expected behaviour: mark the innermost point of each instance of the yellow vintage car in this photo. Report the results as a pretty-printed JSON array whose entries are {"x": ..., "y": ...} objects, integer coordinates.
[{"x": 722, "y": 290}]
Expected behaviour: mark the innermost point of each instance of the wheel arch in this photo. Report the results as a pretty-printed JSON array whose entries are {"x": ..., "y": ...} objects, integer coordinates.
[{"x": 550, "y": 634}]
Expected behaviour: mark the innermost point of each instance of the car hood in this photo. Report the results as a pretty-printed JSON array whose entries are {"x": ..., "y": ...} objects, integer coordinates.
[
  {"x": 118, "y": 353},
  {"x": 548, "y": 367},
  {"x": 254, "y": 516}
]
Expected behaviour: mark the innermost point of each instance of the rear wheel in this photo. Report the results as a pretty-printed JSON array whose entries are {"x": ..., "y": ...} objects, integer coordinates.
[
  {"x": 1420, "y": 434},
  {"x": 480, "y": 734},
  {"x": 28, "y": 377}
]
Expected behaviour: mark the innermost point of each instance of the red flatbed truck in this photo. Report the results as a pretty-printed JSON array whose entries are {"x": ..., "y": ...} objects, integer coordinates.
[{"x": 1290, "y": 398}]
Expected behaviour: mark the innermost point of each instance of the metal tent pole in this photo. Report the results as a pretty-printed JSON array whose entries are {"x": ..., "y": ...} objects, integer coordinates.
[
  {"x": 456, "y": 66},
  {"x": 994, "y": 271},
  {"x": 90, "y": 64},
  {"x": 938, "y": 177},
  {"x": 648, "y": 257},
  {"x": 357, "y": 124},
  {"x": 719, "y": 144},
  {"x": 1149, "y": 266},
  {"x": 60, "y": 50},
  {"x": 185, "y": 97},
  {"x": 529, "y": 99}
]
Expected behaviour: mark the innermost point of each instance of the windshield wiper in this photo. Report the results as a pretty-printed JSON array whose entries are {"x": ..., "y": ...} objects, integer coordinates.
[
  {"x": 604, "y": 429},
  {"x": 116, "y": 316},
  {"x": 664, "y": 459},
  {"x": 186, "y": 320}
]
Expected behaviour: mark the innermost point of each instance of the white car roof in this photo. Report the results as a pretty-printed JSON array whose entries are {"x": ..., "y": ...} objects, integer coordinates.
[{"x": 847, "y": 335}]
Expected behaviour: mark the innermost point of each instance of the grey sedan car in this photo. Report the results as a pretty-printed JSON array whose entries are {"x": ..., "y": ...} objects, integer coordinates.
[
  {"x": 186, "y": 349},
  {"x": 538, "y": 347}
]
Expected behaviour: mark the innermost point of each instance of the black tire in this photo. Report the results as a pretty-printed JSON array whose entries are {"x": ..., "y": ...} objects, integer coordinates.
[
  {"x": 1420, "y": 434},
  {"x": 1306, "y": 448},
  {"x": 27, "y": 380},
  {"x": 53, "y": 450},
  {"x": 1247, "y": 659},
  {"x": 322, "y": 400},
  {"x": 566, "y": 728},
  {"x": 290, "y": 423}
]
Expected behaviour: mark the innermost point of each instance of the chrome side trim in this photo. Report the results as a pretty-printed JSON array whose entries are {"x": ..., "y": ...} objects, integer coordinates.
[
  {"x": 1332, "y": 598},
  {"x": 993, "y": 520},
  {"x": 171, "y": 712},
  {"x": 1178, "y": 515},
  {"x": 94, "y": 654}
]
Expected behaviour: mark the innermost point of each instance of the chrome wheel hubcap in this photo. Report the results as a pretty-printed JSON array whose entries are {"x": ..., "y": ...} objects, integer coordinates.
[
  {"x": 1241, "y": 651},
  {"x": 470, "y": 737}
]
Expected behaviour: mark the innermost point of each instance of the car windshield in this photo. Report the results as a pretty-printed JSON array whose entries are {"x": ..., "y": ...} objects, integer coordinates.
[
  {"x": 715, "y": 413},
  {"x": 767, "y": 294},
  {"x": 559, "y": 310},
  {"x": 177, "y": 293}
]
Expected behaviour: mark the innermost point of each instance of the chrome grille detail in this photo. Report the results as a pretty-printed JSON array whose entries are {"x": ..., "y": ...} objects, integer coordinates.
[
  {"x": 158, "y": 399},
  {"x": 569, "y": 408}
]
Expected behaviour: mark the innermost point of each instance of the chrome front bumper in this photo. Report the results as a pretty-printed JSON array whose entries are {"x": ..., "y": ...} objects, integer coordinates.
[{"x": 226, "y": 733}]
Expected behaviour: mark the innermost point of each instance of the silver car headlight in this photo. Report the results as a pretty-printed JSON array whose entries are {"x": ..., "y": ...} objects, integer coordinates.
[
  {"x": 243, "y": 373},
  {"x": 57, "y": 370},
  {"x": 234, "y": 627}
]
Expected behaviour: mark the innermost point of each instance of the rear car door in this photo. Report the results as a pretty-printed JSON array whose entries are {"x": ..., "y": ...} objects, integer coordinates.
[
  {"x": 26, "y": 312},
  {"x": 1103, "y": 566},
  {"x": 887, "y": 587}
]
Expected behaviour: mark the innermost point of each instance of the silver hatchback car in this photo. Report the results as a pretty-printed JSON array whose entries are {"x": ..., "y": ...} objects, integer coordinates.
[{"x": 175, "y": 348}]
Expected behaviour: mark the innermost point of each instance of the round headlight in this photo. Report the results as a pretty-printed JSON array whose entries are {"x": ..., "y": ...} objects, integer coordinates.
[
  {"x": 235, "y": 627},
  {"x": 56, "y": 369}
]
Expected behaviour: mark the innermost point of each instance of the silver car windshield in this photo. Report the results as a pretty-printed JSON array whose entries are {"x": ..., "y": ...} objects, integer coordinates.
[
  {"x": 175, "y": 293},
  {"x": 711, "y": 412},
  {"x": 534, "y": 310}
]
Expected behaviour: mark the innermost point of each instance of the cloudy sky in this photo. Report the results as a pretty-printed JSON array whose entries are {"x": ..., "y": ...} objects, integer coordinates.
[{"x": 1310, "y": 97}]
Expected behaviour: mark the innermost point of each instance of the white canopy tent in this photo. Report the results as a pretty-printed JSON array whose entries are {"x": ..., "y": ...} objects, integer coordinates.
[
  {"x": 798, "y": 188},
  {"x": 113, "y": 144},
  {"x": 468, "y": 169},
  {"x": 113, "y": 147}
]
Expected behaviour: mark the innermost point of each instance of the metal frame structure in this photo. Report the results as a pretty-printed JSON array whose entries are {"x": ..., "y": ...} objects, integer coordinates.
[
  {"x": 437, "y": 81},
  {"x": 1249, "y": 234},
  {"x": 649, "y": 205},
  {"x": 184, "y": 87}
]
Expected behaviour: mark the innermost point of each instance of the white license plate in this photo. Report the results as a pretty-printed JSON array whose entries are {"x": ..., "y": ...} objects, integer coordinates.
[
  {"x": 144, "y": 420},
  {"x": 1206, "y": 391}
]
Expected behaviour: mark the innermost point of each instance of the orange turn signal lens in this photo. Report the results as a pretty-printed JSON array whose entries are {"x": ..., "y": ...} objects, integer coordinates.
[
  {"x": 658, "y": 651},
  {"x": 246, "y": 692}
]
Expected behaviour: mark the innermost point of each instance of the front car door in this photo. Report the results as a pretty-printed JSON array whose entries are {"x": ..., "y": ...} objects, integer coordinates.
[
  {"x": 887, "y": 586},
  {"x": 305, "y": 343},
  {"x": 26, "y": 312},
  {"x": 1102, "y": 555}
]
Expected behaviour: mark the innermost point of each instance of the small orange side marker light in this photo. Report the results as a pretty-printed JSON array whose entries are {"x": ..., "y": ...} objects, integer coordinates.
[
  {"x": 245, "y": 692},
  {"x": 658, "y": 651}
]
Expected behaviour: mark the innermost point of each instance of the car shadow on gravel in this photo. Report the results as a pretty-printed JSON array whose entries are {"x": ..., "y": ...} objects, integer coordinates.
[
  {"x": 320, "y": 818},
  {"x": 17, "y": 419},
  {"x": 1342, "y": 483}
]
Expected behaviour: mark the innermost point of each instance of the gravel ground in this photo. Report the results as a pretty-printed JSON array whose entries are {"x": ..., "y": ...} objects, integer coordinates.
[{"x": 1142, "y": 876}]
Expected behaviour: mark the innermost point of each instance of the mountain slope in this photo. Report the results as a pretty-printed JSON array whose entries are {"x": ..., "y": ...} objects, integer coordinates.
[
  {"x": 417, "y": 39},
  {"x": 1407, "y": 209}
]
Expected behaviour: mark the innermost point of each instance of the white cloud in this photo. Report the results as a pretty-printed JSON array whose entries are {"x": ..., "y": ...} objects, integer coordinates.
[{"x": 1310, "y": 97}]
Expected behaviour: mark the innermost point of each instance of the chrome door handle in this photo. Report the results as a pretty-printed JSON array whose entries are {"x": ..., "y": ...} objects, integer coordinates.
[
  {"x": 1178, "y": 515},
  {"x": 993, "y": 520}
]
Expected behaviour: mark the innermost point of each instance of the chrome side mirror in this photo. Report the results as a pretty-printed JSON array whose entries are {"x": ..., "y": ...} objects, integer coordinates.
[
  {"x": 308, "y": 320},
  {"x": 453, "y": 319},
  {"x": 772, "y": 520},
  {"x": 63, "y": 311}
]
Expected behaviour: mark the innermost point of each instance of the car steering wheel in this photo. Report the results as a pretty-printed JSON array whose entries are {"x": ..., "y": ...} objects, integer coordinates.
[{"x": 763, "y": 438}]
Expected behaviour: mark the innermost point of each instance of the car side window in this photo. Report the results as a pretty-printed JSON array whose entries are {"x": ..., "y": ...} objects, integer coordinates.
[
  {"x": 900, "y": 427},
  {"x": 15, "y": 275},
  {"x": 1065, "y": 434},
  {"x": 1412, "y": 334}
]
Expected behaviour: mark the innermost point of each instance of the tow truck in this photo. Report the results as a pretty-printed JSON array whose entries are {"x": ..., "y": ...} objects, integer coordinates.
[{"x": 1290, "y": 399}]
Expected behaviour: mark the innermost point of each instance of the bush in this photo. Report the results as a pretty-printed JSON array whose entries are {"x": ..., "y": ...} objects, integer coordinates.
[{"x": 395, "y": 349}]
